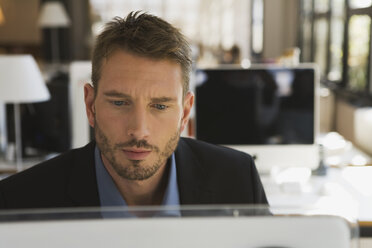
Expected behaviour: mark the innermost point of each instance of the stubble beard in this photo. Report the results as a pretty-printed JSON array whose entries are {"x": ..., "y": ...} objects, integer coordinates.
[{"x": 134, "y": 169}]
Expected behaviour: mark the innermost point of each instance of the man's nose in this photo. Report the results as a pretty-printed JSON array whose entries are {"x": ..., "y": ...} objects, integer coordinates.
[{"x": 138, "y": 124}]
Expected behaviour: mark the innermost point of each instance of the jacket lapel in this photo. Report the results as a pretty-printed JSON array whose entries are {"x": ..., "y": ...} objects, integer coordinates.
[
  {"x": 191, "y": 177},
  {"x": 82, "y": 184}
]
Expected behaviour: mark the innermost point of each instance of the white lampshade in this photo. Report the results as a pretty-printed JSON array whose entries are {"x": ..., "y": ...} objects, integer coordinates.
[
  {"x": 53, "y": 15},
  {"x": 21, "y": 80}
]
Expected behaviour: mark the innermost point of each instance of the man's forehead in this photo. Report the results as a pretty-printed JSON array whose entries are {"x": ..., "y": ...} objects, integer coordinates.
[
  {"x": 121, "y": 61},
  {"x": 124, "y": 70},
  {"x": 124, "y": 51}
]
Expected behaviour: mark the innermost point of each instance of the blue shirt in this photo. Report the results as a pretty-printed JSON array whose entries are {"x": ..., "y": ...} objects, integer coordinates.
[{"x": 110, "y": 196}]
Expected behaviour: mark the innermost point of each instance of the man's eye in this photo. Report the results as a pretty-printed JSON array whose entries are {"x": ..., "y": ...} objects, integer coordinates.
[
  {"x": 118, "y": 103},
  {"x": 160, "y": 106}
]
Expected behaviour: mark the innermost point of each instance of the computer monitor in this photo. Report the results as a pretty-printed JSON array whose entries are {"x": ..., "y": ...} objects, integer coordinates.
[
  {"x": 270, "y": 112},
  {"x": 200, "y": 230},
  {"x": 80, "y": 74}
]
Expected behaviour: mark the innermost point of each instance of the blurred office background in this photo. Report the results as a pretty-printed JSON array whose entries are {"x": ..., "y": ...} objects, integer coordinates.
[{"x": 335, "y": 34}]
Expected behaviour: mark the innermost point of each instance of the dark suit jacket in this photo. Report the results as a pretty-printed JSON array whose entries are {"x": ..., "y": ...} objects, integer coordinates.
[{"x": 206, "y": 174}]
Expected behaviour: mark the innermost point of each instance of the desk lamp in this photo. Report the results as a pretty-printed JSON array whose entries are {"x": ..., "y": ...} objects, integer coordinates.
[
  {"x": 20, "y": 82},
  {"x": 53, "y": 15}
]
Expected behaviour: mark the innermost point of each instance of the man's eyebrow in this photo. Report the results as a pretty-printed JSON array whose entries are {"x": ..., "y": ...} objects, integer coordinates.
[
  {"x": 163, "y": 99},
  {"x": 114, "y": 93}
]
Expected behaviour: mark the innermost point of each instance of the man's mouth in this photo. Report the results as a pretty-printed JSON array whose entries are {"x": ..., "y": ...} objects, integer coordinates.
[{"x": 136, "y": 153}]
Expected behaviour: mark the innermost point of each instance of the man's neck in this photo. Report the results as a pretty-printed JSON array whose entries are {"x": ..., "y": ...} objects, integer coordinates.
[{"x": 142, "y": 192}]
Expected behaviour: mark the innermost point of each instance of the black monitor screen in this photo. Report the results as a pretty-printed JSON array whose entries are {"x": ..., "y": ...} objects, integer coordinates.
[{"x": 255, "y": 106}]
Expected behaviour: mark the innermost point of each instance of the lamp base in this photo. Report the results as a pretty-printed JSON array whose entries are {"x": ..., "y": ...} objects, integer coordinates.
[
  {"x": 3, "y": 130},
  {"x": 18, "y": 136}
]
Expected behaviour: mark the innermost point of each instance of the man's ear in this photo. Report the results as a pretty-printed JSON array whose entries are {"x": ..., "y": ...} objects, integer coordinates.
[
  {"x": 89, "y": 103},
  {"x": 188, "y": 102}
]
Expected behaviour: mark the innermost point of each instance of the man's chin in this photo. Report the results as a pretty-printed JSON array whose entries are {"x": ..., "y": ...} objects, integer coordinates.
[
  {"x": 137, "y": 172},
  {"x": 136, "y": 163}
]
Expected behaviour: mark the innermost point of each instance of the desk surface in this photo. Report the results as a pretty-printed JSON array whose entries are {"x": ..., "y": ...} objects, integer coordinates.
[
  {"x": 346, "y": 189},
  {"x": 342, "y": 191}
]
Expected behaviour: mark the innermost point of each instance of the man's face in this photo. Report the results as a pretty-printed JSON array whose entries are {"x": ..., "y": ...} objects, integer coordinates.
[{"x": 138, "y": 113}]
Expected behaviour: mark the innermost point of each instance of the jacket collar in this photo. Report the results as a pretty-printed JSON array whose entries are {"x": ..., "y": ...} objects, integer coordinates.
[
  {"x": 82, "y": 183},
  {"x": 191, "y": 176}
]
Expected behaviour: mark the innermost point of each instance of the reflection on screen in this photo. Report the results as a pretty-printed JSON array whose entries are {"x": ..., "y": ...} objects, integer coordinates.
[{"x": 255, "y": 106}]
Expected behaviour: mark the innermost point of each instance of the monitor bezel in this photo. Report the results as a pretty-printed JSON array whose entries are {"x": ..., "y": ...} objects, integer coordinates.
[{"x": 290, "y": 154}]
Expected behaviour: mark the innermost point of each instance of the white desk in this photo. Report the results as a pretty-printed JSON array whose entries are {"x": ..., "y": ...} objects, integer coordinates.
[{"x": 346, "y": 191}]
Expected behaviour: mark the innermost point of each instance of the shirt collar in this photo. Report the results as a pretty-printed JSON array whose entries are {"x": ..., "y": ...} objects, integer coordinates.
[{"x": 109, "y": 195}]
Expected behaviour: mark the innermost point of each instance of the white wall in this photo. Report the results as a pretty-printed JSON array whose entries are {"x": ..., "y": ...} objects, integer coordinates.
[
  {"x": 354, "y": 124},
  {"x": 280, "y": 26},
  {"x": 20, "y": 25}
]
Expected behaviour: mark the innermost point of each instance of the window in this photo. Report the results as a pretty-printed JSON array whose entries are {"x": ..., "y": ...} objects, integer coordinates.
[
  {"x": 321, "y": 34},
  {"x": 358, "y": 52},
  {"x": 257, "y": 26},
  {"x": 321, "y": 6},
  {"x": 339, "y": 42},
  {"x": 336, "y": 40},
  {"x": 210, "y": 25},
  {"x": 355, "y": 4},
  {"x": 321, "y": 40},
  {"x": 358, "y": 63},
  {"x": 306, "y": 32}
]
